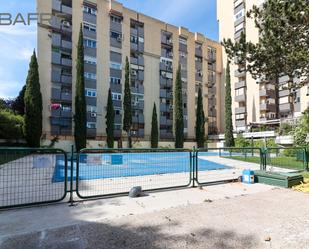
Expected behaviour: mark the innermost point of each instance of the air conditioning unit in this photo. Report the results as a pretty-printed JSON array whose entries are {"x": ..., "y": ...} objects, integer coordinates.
[
  {"x": 66, "y": 24},
  {"x": 93, "y": 115},
  {"x": 119, "y": 38},
  {"x": 170, "y": 54},
  {"x": 133, "y": 72},
  {"x": 170, "y": 41}
]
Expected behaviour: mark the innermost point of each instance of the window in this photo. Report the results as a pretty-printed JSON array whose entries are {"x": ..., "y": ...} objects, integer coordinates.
[
  {"x": 134, "y": 39},
  {"x": 115, "y": 65},
  {"x": 90, "y": 10},
  {"x": 91, "y": 125},
  {"x": 182, "y": 54},
  {"x": 91, "y": 108},
  {"x": 240, "y": 91},
  {"x": 90, "y": 92},
  {"x": 116, "y": 19},
  {"x": 199, "y": 59},
  {"x": 90, "y": 27},
  {"x": 198, "y": 46},
  {"x": 118, "y": 112},
  {"x": 239, "y": 14},
  {"x": 239, "y": 116},
  {"x": 115, "y": 80},
  {"x": 91, "y": 76},
  {"x": 116, "y": 96},
  {"x": 239, "y": 27},
  {"x": 90, "y": 43},
  {"x": 90, "y": 60},
  {"x": 183, "y": 41},
  {"x": 66, "y": 108},
  {"x": 116, "y": 35}
]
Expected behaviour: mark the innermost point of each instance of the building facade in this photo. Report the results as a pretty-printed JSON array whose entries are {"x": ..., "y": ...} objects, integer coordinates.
[
  {"x": 154, "y": 49},
  {"x": 255, "y": 101}
]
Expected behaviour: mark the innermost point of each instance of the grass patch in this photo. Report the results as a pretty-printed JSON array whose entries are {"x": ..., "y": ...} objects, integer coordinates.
[{"x": 281, "y": 162}]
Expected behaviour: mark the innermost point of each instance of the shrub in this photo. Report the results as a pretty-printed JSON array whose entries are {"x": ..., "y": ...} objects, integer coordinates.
[{"x": 11, "y": 125}]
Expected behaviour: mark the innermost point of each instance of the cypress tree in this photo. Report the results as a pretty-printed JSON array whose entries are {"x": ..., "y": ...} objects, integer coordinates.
[
  {"x": 33, "y": 105},
  {"x": 127, "y": 104},
  {"x": 229, "y": 139},
  {"x": 154, "y": 128},
  {"x": 110, "y": 121},
  {"x": 200, "y": 121},
  {"x": 18, "y": 104},
  {"x": 80, "y": 117},
  {"x": 179, "y": 125}
]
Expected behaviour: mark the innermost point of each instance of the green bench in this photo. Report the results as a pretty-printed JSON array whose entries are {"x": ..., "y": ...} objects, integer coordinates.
[{"x": 286, "y": 180}]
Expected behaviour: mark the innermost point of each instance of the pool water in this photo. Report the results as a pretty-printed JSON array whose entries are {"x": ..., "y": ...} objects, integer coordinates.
[{"x": 99, "y": 166}]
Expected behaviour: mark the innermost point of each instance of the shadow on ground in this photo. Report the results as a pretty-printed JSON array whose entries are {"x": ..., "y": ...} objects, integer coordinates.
[{"x": 105, "y": 236}]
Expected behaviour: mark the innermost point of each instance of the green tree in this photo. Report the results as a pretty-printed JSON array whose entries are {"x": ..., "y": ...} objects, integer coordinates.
[
  {"x": 80, "y": 117},
  {"x": 154, "y": 128},
  {"x": 33, "y": 105},
  {"x": 11, "y": 126},
  {"x": 179, "y": 125},
  {"x": 110, "y": 121},
  {"x": 229, "y": 138},
  {"x": 301, "y": 131},
  {"x": 200, "y": 121},
  {"x": 283, "y": 44},
  {"x": 127, "y": 104},
  {"x": 18, "y": 104}
]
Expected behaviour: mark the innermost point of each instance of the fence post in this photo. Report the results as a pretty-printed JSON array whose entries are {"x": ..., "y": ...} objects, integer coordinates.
[
  {"x": 71, "y": 176},
  {"x": 194, "y": 166},
  {"x": 305, "y": 159}
]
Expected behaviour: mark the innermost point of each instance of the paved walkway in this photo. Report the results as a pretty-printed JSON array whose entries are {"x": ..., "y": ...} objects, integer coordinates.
[{"x": 224, "y": 216}]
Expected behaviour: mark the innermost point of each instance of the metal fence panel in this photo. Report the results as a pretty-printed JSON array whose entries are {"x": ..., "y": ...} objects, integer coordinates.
[
  {"x": 114, "y": 172},
  {"x": 225, "y": 164},
  {"x": 285, "y": 159},
  {"x": 32, "y": 176}
]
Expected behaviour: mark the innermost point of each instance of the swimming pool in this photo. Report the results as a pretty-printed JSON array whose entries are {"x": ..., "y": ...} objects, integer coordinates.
[{"x": 99, "y": 166}]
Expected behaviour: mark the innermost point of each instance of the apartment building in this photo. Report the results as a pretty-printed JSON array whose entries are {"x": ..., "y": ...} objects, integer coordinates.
[
  {"x": 154, "y": 48},
  {"x": 255, "y": 101}
]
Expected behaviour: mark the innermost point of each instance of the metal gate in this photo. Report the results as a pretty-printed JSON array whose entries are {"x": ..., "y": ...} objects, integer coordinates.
[
  {"x": 108, "y": 172},
  {"x": 32, "y": 176},
  {"x": 215, "y": 165}
]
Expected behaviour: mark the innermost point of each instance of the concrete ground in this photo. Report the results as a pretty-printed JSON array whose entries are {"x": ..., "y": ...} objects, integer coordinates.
[{"x": 223, "y": 216}]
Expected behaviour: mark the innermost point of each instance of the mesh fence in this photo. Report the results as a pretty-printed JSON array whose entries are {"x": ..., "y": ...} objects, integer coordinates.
[
  {"x": 225, "y": 164},
  {"x": 29, "y": 176},
  {"x": 285, "y": 159},
  {"x": 108, "y": 172}
]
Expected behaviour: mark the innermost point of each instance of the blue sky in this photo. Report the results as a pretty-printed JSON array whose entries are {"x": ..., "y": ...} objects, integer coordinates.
[{"x": 17, "y": 42}]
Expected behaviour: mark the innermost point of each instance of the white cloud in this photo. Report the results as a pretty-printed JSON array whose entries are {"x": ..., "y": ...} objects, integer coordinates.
[{"x": 9, "y": 88}]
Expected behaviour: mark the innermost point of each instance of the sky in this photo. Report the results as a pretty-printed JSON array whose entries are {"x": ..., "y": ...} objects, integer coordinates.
[{"x": 18, "y": 42}]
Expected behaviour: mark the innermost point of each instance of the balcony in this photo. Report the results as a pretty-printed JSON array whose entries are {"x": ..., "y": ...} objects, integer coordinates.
[
  {"x": 91, "y": 133},
  {"x": 240, "y": 123},
  {"x": 66, "y": 44},
  {"x": 240, "y": 98},
  {"x": 66, "y": 9},
  {"x": 138, "y": 119},
  {"x": 118, "y": 119},
  {"x": 137, "y": 60},
  {"x": 61, "y": 96},
  {"x": 267, "y": 93},
  {"x": 139, "y": 89},
  {"x": 60, "y": 113},
  {"x": 56, "y": 5},
  {"x": 66, "y": 62},
  {"x": 90, "y": 18},
  {"x": 240, "y": 84},
  {"x": 133, "y": 31},
  {"x": 284, "y": 93},
  {"x": 198, "y": 52},
  {"x": 267, "y": 107},
  {"x": 117, "y": 103},
  {"x": 90, "y": 34},
  {"x": 240, "y": 110},
  {"x": 116, "y": 26},
  {"x": 286, "y": 107},
  {"x": 164, "y": 67}
]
